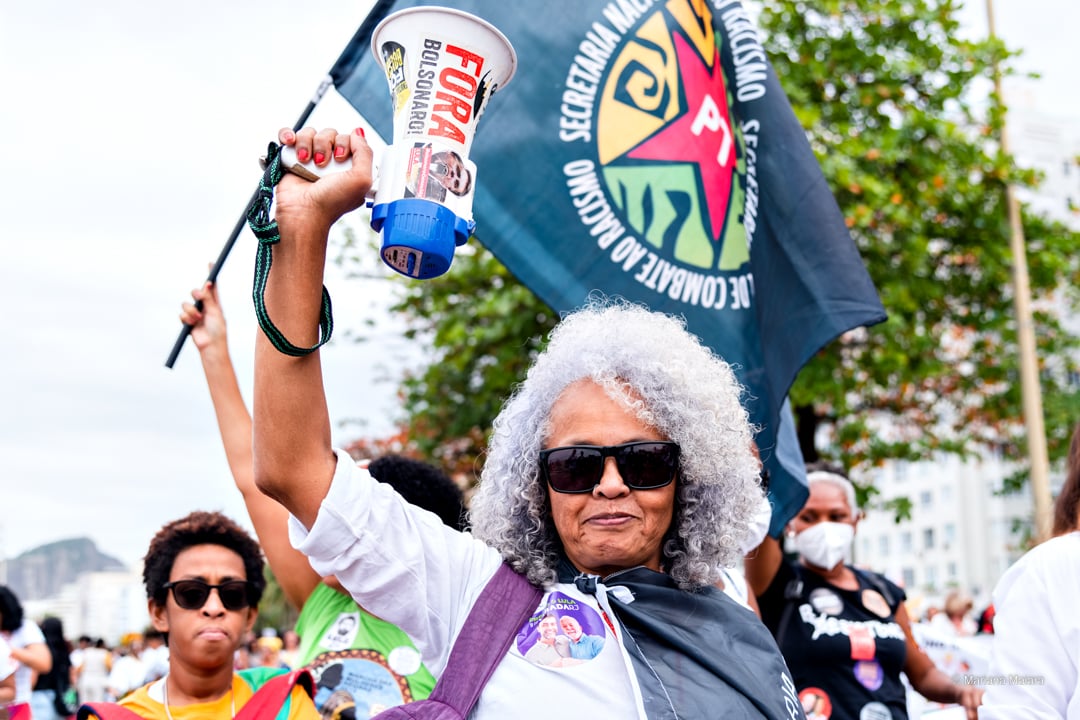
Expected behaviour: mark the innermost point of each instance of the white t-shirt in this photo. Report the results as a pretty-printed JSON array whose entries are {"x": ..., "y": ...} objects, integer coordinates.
[
  {"x": 156, "y": 661},
  {"x": 1036, "y": 648},
  {"x": 7, "y": 664},
  {"x": 404, "y": 565},
  {"x": 128, "y": 672},
  {"x": 27, "y": 634},
  {"x": 735, "y": 586}
]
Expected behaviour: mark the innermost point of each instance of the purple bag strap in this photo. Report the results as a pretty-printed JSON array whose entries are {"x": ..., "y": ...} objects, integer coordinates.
[{"x": 506, "y": 603}]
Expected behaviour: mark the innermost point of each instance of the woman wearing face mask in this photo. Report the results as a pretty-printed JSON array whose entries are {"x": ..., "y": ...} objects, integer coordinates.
[{"x": 844, "y": 632}]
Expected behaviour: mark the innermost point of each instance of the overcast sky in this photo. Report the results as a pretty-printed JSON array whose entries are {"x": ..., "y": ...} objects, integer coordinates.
[{"x": 132, "y": 130}]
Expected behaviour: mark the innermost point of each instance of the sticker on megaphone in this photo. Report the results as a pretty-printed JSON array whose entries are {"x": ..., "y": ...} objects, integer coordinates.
[{"x": 442, "y": 66}]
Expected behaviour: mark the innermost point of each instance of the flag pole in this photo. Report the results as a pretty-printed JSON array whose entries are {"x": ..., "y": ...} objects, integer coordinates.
[
  {"x": 185, "y": 330},
  {"x": 1029, "y": 371},
  {"x": 341, "y": 70}
]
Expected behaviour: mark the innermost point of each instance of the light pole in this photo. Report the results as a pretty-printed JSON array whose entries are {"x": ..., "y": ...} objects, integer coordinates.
[{"x": 1030, "y": 388}]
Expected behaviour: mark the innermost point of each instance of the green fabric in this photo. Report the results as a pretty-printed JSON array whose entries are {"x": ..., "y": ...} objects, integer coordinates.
[{"x": 383, "y": 656}]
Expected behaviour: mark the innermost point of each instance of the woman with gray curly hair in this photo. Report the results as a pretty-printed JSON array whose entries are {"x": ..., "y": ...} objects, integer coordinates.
[
  {"x": 671, "y": 383},
  {"x": 620, "y": 480}
]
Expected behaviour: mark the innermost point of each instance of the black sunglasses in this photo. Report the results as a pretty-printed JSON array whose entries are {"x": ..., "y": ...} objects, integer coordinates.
[
  {"x": 578, "y": 468},
  {"x": 192, "y": 594}
]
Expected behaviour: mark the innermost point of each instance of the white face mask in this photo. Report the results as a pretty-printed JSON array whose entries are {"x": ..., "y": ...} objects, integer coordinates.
[
  {"x": 759, "y": 526},
  {"x": 825, "y": 544}
]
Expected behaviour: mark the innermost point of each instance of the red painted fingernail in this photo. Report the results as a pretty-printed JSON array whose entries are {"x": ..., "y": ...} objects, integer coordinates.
[
  {"x": 360, "y": 132},
  {"x": 339, "y": 152},
  {"x": 302, "y": 155},
  {"x": 319, "y": 157}
]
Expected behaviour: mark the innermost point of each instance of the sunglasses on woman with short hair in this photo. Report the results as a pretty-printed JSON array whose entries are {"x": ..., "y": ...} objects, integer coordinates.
[
  {"x": 192, "y": 594},
  {"x": 645, "y": 465}
]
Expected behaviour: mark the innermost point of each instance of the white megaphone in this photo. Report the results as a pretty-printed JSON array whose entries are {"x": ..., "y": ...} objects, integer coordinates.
[{"x": 442, "y": 65}]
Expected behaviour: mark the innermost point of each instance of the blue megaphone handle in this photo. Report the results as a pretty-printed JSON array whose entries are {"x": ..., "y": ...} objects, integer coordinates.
[{"x": 419, "y": 236}]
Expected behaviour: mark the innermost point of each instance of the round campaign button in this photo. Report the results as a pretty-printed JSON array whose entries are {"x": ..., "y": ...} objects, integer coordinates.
[
  {"x": 869, "y": 673},
  {"x": 874, "y": 711},
  {"x": 825, "y": 601},
  {"x": 815, "y": 703},
  {"x": 875, "y": 603},
  {"x": 403, "y": 660}
]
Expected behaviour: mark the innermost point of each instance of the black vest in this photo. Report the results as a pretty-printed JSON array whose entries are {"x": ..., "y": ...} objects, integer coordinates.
[{"x": 696, "y": 654}]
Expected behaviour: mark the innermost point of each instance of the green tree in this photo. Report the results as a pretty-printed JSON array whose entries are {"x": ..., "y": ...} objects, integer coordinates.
[
  {"x": 275, "y": 611},
  {"x": 484, "y": 328},
  {"x": 889, "y": 96}
]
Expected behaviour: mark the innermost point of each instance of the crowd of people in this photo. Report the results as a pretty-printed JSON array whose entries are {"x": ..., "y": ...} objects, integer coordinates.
[
  {"x": 613, "y": 557},
  {"x": 90, "y": 670}
]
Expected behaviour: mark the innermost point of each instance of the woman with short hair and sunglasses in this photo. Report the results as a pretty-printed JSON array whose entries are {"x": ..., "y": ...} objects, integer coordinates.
[
  {"x": 204, "y": 578},
  {"x": 619, "y": 480}
]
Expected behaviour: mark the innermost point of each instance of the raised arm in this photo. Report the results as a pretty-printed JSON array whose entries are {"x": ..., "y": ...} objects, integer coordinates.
[
  {"x": 293, "y": 458},
  {"x": 270, "y": 519},
  {"x": 761, "y": 565}
]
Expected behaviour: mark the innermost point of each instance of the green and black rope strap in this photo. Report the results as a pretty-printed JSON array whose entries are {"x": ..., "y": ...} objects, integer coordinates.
[{"x": 266, "y": 230}]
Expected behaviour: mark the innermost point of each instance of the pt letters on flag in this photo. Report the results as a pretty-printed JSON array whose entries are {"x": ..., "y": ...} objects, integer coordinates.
[{"x": 646, "y": 150}]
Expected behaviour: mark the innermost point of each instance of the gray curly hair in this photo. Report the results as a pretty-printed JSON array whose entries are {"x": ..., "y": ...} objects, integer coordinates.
[{"x": 649, "y": 362}]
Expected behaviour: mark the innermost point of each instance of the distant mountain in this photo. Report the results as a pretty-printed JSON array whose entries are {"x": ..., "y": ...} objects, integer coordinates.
[{"x": 41, "y": 572}]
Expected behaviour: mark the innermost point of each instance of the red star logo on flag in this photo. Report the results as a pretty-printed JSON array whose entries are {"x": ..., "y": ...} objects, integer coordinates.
[{"x": 701, "y": 135}]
